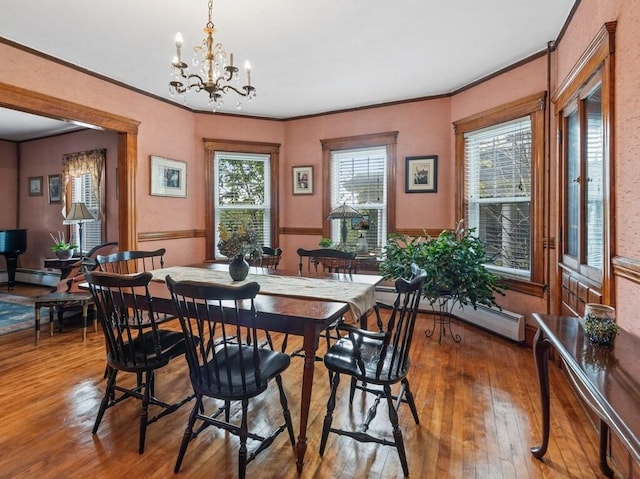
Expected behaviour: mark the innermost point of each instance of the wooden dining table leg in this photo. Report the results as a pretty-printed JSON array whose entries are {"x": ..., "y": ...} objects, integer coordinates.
[{"x": 310, "y": 346}]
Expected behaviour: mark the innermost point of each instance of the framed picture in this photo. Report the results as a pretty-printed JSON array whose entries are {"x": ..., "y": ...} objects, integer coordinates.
[
  {"x": 360, "y": 223},
  {"x": 303, "y": 180},
  {"x": 422, "y": 174},
  {"x": 35, "y": 186},
  {"x": 55, "y": 187},
  {"x": 168, "y": 177}
]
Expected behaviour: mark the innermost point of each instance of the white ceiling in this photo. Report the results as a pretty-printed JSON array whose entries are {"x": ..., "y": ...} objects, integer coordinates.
[{"x": 308, "y": 56}]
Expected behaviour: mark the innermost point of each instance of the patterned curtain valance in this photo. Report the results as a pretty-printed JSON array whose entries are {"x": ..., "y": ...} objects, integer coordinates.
[{"x": 82, "y": 163}]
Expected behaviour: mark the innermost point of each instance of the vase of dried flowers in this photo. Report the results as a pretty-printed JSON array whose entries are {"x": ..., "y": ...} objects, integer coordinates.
[{"x": 236, "y": 244}]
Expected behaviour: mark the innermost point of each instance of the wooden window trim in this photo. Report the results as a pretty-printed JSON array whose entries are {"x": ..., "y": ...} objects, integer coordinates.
[
  {"x": 388, "y": 139},
  {"x": 532, "y": 106},
  {"x": 211, "y": 146}
]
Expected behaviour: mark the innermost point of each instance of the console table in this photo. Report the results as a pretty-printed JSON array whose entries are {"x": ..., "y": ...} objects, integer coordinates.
[{"x": 608, "y": 379}]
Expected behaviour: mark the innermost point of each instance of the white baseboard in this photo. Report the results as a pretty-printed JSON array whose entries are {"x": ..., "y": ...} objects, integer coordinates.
[{"x": 505, "y": 323}]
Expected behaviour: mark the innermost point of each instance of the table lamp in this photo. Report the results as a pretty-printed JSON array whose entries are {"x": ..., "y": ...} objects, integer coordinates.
[
  {"x": 343, "y": 213},
  {"x": 79, "y": 213}
]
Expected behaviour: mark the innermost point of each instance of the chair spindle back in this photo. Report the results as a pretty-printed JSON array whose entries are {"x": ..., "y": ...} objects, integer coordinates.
[{"x": 325, "y": 260}]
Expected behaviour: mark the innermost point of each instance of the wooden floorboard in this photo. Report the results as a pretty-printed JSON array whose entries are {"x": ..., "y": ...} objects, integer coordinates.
[{"x": 477, "y": 400}]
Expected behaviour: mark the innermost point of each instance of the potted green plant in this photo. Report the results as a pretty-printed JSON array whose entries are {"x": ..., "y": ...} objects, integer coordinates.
[
  {"x": 325, "y": 242},
  {"x": 60, "y": 247},
  {"x": 454, "y": 262}
]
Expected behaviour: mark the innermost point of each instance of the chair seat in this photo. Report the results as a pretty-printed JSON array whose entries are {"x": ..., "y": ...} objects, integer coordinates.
[
  {"x": 340, "y": 358},
  {"x": 172, "y": 345},
  {"x": 272, "y": 363}
]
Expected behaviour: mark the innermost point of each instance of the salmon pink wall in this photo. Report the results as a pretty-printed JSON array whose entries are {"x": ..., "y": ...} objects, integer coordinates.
[
  {"x": 165, "y": 130},
  {"x": 8, "y": 185},
  {"x": 424, "y": 128},
  {"x": 512, "y": 85},
  {"x": 43, "y": 158}
]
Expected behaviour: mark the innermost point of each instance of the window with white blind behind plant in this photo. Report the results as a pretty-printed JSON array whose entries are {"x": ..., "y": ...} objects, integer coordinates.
[
  {"x": 498, "y": 192},
  {"x": 359, "y": 179},
  {"x": 82, "y": 190}
]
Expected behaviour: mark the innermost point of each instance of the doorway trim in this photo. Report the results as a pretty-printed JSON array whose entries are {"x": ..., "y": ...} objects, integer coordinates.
[{"x": 28, "y": 101}]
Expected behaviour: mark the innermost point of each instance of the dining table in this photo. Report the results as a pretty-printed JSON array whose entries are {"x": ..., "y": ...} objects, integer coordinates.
[{"x": 287, "y": 303}]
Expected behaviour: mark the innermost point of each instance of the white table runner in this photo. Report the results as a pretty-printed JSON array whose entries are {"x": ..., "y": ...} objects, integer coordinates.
[{"x": 359, "y": 296}]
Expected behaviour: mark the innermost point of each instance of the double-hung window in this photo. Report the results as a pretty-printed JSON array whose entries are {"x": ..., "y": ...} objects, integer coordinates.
[
  {"x": 500, "y": 165},
  {"x": 83, "y": 179},
  {"x": 498, "y": 192},
  {"x": 242, "y": 187},
  {"x": 359, "y": 180},
  {"x": 242, "y": 193},
  {"x": 82, "y": 190},
  {"x": 360, "y": 173}
]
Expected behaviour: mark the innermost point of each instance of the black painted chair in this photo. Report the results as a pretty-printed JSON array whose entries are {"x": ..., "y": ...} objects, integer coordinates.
[
  {"x": 134, "y": 343},
  {"x": 269, "y": 260},
  {"x": 325, "y": 260},
  {"x": 317, "y": 262},
  {"x": 375, "y": 361},
  {"x": 127, "y": 262},
  {"x": 223, "y": 366}
]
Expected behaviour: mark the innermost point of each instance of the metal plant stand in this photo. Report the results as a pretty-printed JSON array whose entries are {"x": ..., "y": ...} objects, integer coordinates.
[{"x": 442, "y": 319}]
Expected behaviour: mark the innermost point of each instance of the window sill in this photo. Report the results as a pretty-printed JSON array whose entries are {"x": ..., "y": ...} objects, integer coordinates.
[{"x": 524, "y": 286}]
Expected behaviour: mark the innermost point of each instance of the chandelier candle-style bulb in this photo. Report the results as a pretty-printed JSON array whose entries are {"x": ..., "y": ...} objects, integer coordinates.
[
  {"x": 215, "y": 74},
  {"x": 247, "y": 68}
]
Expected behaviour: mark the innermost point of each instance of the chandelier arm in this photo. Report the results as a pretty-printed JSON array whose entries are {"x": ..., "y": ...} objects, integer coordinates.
[{"x": 241, "y": 93}]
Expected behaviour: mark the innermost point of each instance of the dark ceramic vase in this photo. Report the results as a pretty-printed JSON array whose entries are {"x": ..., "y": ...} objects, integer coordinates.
[{"x": 238, "y": 268}]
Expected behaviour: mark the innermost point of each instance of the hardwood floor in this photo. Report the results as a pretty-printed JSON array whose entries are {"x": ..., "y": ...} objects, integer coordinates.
[{"x": 478, "y": 405}]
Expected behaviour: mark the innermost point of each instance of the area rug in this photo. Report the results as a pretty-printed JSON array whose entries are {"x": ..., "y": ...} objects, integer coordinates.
[{"x": 16, "y": 313}]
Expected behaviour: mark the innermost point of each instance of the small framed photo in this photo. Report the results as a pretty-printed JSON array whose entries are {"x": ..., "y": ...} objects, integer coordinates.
[
  {"x": 55, "y": 189},
  {"x": 35, "y": 186},
  {"x": 422, "y": 174},
  {"x": 303, "y": 180},
  {"x": 168, "y": 177}
]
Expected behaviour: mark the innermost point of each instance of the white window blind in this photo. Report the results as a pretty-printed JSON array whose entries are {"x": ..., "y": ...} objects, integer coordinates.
[
  {"x": 359, "y": 179},
  {"x": 242, "y": 193},
  {"x": 82, "y": 191},
  {"x": 498, "y": 192}
]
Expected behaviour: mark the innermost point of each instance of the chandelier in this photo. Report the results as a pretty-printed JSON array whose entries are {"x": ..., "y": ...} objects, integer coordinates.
[{"x": 214, "y": 76}]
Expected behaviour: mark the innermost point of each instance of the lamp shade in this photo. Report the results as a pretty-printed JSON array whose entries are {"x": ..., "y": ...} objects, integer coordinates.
[
  {"x": 79, "y": 213},
  {"x": 342, "y": 212}
]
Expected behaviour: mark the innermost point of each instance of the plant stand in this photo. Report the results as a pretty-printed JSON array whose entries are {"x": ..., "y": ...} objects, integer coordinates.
[{"x": 442, "y": 320}]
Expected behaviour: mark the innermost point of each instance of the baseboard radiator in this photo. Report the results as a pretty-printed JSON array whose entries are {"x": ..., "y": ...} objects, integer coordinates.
[
  {"x": 505, "y": 323},
  {"x": 32, "y": 276}
]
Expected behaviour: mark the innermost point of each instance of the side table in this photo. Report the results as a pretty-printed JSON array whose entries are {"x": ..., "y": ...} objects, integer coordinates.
[
  {"x": 64, "y": 265},
  {"x": 54, "y": 300}
]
